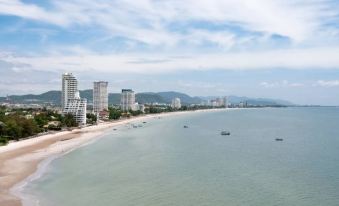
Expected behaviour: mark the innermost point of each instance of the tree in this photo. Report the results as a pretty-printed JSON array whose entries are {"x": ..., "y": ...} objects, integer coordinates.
[
  {"x": 91, "y": 118},
  {"x": 135, "y": 113},
  {"x": 13, "y": 130},
  {"x": 41, "y": 119},
  {"x": 29, "y": 128},
  {"x": 3, "y": 141},
  {"x": 114, "y": 113},
  {"x": 69, "y": 121},
  {"x": 2, "y": 128},
  {"x": 153, "y": 110}
]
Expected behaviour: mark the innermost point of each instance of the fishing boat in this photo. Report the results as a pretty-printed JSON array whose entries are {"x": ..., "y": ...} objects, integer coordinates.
[{"x": 225, "y": 133}]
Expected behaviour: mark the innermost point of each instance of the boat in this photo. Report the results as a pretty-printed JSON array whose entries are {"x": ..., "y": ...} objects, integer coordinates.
[
  {"x": 185, "y": 126},
  {"x": 279, "y": 139},
  {"x": 114, "y": 129},
  {"x": 144, "y": 122},
  {"x": 225, "y": 133}
]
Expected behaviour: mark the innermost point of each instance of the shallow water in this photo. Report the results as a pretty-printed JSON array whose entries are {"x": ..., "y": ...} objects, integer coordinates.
[{"x": 163, "y": 163}]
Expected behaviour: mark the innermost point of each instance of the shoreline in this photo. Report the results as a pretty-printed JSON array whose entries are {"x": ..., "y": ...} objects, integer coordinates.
[{"x": 20, "y": 162}]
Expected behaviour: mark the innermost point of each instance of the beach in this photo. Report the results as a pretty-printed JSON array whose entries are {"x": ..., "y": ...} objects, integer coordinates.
[{"x": 19, "y": 160}]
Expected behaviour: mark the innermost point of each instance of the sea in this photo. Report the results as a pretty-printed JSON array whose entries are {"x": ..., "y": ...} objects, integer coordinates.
[{"x": 160, "y": 163}]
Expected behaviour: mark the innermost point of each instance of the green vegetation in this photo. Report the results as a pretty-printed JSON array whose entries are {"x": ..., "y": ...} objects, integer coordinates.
[
  {"x": 16, "y": 124},
  {"x": 91, "y": 118},
  {"x": 69, "y": 121},
  {"x": 135, "y": 113},
  {"x": 114, "y": 113}
]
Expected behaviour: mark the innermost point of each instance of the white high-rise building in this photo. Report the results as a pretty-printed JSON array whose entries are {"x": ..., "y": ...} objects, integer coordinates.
[
  {"x": 127, "y": 100},
  {"x": 69, "y": 88},
  {"x": 176, "y": 103},
  {"x": 77, "y": 107},
  {"x": 225, "y": 102},
  {"x": 100, "y": 97},
  {"x": 219, "y": 102}
]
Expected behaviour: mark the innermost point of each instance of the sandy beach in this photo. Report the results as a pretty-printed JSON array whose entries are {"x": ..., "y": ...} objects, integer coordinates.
[{"x": 19, "y": 160}]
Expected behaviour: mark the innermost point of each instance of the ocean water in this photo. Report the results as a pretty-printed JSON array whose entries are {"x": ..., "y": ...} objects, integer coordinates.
[{"x": 163, "y": 164}]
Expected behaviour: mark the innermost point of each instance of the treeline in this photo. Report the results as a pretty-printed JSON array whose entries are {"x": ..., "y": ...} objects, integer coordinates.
[
  {"x": 17, "y": 124},
  {"x": 115, "y": 113},
  {"x": 153, "y": 109}
]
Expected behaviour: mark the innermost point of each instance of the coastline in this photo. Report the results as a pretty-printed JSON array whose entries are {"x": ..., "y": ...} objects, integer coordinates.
[{"x": 21, "y": 161}]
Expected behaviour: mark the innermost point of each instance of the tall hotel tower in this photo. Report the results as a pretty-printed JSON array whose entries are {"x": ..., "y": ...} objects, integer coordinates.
[
  {"x": 127, "y": 100},
  {"x": 69, "y": 88},
  {"x": 100, "y": 97},
  {"x": 71, "y": 101}
]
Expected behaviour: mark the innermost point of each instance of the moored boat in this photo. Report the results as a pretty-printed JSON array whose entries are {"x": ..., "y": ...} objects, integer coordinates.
[{"x": 225, "y": 133}]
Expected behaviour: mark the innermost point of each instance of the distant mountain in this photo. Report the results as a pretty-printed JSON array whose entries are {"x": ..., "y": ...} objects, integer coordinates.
[
  {"x": 54, "y": 97},
  {"x": 253, "y": 101},
  {"x": 149, "y": 97},
  {"x": 185, "y": 99},
  {"x": 47, "y": 97}
]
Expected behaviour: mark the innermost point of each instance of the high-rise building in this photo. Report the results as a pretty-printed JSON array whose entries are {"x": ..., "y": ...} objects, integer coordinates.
[
  {"x": 225, "y": 102},
  {"x": 219, "y": 102},
  {"x": 100, "y": 97},
  {"x": 77, "y": 107},
  {"x": 176, "y": 103},
  {"x": 127, "y": 100},
  {"x": 69, "y": 88}
]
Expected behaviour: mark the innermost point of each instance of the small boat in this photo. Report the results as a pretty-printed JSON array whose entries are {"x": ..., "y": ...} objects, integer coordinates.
[
  {"x": 114, "y": 129},
  {"x": 225, "y": 133},
  {"x": 279, "y": 139},
  {"x": 144, "y": 122},
  {"x": 185, "y": 126}
]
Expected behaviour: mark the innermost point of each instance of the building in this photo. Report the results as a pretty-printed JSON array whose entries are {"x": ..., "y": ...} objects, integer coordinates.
[
  {"x": 69, "y": 88},
  {"x": 214, "y": 103},
  {"x": 225, "y": 102},
  {"x": 220, "y": 102},
  {"x": 100, "y": 97},
  {"x": 176, "y": 103},
  {"x": 142, "y": 108},
  {"x": 127, "y": 100},
  {"x": 77, "y": 107}
]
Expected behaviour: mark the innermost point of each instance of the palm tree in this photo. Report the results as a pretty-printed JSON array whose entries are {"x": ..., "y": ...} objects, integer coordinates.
[{"x": 2, "y": 128}]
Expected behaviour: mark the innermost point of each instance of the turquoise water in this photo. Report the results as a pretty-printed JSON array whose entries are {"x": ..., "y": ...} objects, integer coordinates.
[{"x": 162, "y": 163}]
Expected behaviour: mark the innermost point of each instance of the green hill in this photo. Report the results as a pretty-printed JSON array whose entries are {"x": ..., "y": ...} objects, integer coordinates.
[{"x": 54, "y": 97}]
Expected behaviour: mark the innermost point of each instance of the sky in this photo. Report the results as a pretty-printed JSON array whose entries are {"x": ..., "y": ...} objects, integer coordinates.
[{"x": 285, "y": 49}]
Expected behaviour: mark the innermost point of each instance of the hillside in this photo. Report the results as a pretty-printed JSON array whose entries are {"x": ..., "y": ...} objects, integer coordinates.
[{"x": 54, "y": 97}]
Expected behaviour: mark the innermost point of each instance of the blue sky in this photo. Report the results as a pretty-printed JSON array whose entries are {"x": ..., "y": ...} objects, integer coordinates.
[{"x": 264, "y": 48}]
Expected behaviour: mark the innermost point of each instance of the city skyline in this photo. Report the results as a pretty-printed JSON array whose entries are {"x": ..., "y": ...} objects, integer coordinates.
[{"x": 270, "y": 49}]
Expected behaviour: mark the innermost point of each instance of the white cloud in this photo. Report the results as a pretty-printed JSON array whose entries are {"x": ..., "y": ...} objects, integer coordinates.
[
  {"x": 330, "y": 83},
  {"x": 283, "y": 83},
  {"x": 162, "y": 63},
  {"x": 146, "y": 20},
  {"x": 31, "y": 11}
]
